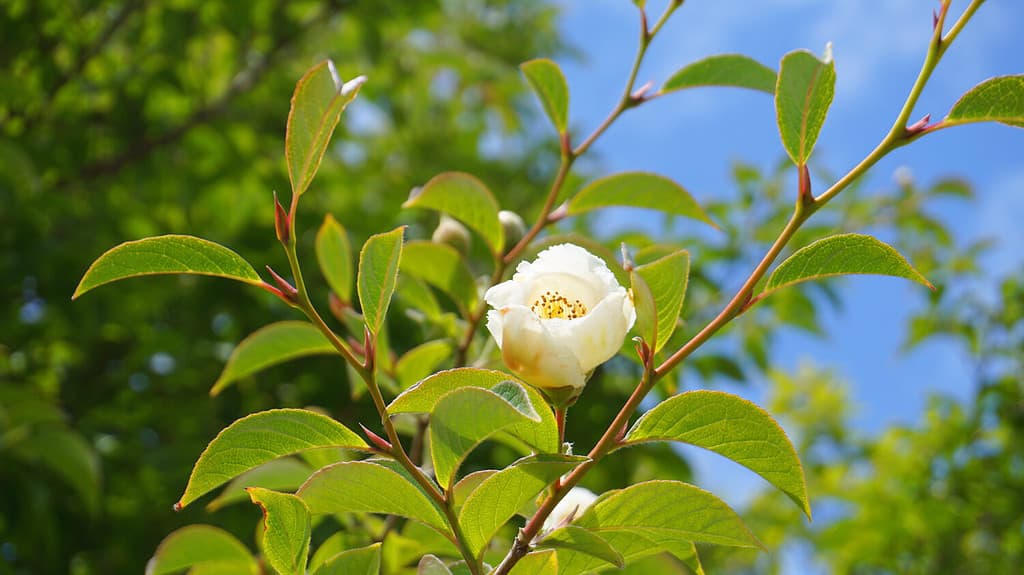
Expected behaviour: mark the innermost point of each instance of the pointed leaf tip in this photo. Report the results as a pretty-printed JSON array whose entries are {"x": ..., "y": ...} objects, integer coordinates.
[
  {"x": 843, "y": 254},
  {"x": 548, "y": 83},
  {"x": 161, "y": 255},
  {"x": 803, "y": 95}
]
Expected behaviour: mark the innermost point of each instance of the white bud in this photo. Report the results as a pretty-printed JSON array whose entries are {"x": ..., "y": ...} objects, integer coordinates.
[
  {"x": 451, "y": 232},
  {"x": 514, "y": 226}
]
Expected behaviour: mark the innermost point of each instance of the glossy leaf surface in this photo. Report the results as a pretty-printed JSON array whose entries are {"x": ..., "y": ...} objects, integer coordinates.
[
  {"x": 268, "y": 346},
  {"x": 262, "y": 437},
  {"x": 171, "y": 254}
]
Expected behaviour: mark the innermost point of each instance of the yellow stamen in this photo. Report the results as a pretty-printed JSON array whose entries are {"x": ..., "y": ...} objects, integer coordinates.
[{"x": 552, "y": 304}]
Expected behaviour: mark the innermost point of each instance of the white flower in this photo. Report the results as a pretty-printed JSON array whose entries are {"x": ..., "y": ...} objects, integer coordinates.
[
  {"x": 570, "y": 507},
  {"x": 558, "y": 318}
]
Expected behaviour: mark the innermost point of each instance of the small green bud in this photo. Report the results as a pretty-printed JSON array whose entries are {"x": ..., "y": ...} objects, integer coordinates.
[
  {"x": 515, "y": 227},
  {"x": 451, "y": 232}
]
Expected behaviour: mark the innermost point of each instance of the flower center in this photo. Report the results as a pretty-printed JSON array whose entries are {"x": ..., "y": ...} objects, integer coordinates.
[{"x": 552, "y": 304}]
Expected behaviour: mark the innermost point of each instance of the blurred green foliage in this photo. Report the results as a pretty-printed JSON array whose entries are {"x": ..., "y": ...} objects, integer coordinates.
[{"x": 120, "y": 120}]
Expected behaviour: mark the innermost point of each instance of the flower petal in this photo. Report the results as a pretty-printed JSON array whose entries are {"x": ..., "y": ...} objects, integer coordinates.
[
  {"x": 573, "y": 260},
  {"x": 596, "y": 337},
  {"x": 509, "y": 292},
  {"x": 532, "y": 353}
]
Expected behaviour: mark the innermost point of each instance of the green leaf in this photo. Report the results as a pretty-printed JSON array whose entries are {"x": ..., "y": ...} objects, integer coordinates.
[
  {"x": 723, "y": 70},
  {"x": 417, "y": 296},
  {"x": 362, "y": 561},
  {"x": 638, "y": 190},
  {"x": 630, "y": 545},
  {"x": 467, "y": 485},
  {"x": 994, "y": 100},
  {"x": 582, "y": 541},
  {"x": 441, "y": 266},
  {"x": 430, "y": 565},
  {"x": 669, "y": 508},
  {"x": 840, "y": 255},
  {"x": 317, "y": 104},
  {"x": 334, "y": 253},
  {"x": 67, "y": 454},
  {"x": 286, "y": 530},
  {"x": 548, "y": 82},
  {"x": 220, "y": 569},
  {"x": 732, "y": 427},
  {"x": 466, "y": 199},
  {"x": 686, "y": 552},
  {"x": 378, "y": 269},
  {"x": 803, "y": 95},
  {"x": 501, "y": 495},
  {"x": 199, "y": 545},
  {"x": 646, "y": 312},
  {"x": 369, "y": 487},
  {"x": 421, "y": 361},
  {"x": 667, "y": 278},
  {"x": 270, "y": 345},
  {"x": 537, "y": 563},
  {"x": 171, "y": 254},
  {"x": 463, "y": 418},
  {"x": 280, "y": 475},
  {"x": 423, "y": 397},
  {"x": 259, "y": 438},
  {"x": 330, "y": 547}
]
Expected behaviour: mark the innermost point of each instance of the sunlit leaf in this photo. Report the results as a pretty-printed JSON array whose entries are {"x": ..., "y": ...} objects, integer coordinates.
[
  {"x": 638, "y": 190},
  {"x": 537, "y": 563},
  {"x": 441, "y": 266},
  {"x": 630, "y": 545},
  {"x": 667, "y": 278},
  {"x": 723, "y": 70},
  {"x": 422, "y": 397},
  {"x": 732, "y": 427},
  {"x": 262, "y": 437},
  {"x": 171, "y": 254},
  {"x": 268, "y": 346},
  {"x": 580, "y": 540},
  {"x": 362, "y": 561},
  {"x": 548, "y": 82},
  {"x": 198, "y": 545},
  {"x": 334, "y": 254},
  {"x": 466, "y": 416},
  {"x": 646, "y": 312},
  {"x": 502, "y": 494},
  {"x": 465, "y": 198},
  {"x": 280, "y": 475},
  {"x": 378, "y": 269},
  {"x": 286, "y": 530},
  {"x": 369, "y": 487},
  {"x": 843, "y": 254},
  {"x": 421, "y": 361},
  {"x": 317, "y": 104},
  {"x": 467, "y": 485},
  {"x": 802, "y": 97},
  {"x": 668, "y": 507},
  {"x": 994, "y": 100}
]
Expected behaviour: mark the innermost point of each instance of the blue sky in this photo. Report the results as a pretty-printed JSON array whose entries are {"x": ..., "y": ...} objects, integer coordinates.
[{"x": 878, "y": 46}]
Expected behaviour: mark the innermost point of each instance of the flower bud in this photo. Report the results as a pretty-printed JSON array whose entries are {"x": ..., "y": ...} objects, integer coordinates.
[
  {"x": 558, "y": 318},
  {"x": 451, "y": 231},
  {"x": 514, "y": 226}
]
